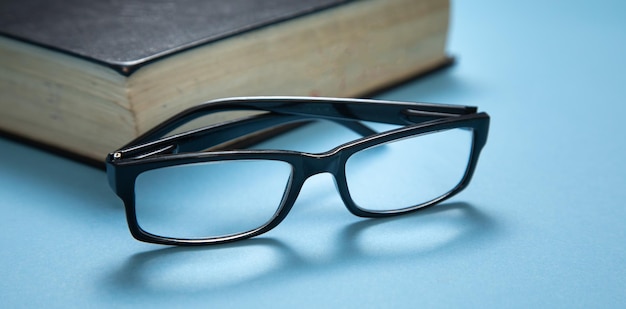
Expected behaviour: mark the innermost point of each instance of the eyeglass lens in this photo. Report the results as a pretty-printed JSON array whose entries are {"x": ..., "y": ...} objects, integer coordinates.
[
  {"x": 410, "y": 171},
  {"x": 222, "y": 198},
  {"x": 212, "y": 199}
]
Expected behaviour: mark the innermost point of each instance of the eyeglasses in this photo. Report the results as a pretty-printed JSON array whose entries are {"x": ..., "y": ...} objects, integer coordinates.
[{"x": 206, "y": 186}]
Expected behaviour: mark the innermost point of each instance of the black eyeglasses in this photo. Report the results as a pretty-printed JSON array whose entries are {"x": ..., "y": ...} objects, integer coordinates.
[{"x": 202, "y": 186}]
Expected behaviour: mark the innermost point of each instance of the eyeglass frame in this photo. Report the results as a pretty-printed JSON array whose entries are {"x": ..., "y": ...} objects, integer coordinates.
[{"x": 152, "y": 150}]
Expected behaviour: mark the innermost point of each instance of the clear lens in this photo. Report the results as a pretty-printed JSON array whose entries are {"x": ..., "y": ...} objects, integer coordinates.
[
  {"x": 410, "y": 171},
  {"x": 211, "y": 199}
]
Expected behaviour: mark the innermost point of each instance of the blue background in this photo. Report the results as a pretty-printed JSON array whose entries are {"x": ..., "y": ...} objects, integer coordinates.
[{"x": 542, "y": 224}]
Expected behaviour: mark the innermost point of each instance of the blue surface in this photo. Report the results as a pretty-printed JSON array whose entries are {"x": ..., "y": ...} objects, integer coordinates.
[{"x": 542, "y": 224}]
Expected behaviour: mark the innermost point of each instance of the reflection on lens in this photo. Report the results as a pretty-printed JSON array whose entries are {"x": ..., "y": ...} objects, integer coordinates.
[
  {"x": 408, "y": 172},
  {"x": 211, "y": 199}
]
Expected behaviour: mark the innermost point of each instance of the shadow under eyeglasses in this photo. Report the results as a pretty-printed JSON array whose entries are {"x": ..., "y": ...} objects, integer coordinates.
[{"x": 439, "y": 230}]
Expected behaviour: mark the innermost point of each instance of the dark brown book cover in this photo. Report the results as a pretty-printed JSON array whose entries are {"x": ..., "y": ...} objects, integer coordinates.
[{"x": 126, "y": 34}]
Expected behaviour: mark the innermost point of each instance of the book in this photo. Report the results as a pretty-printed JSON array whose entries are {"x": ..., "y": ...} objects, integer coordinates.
[{"x": 85, "y": 77}]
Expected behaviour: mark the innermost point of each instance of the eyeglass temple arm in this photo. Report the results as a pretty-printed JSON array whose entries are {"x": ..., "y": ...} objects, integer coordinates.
[
  {"x": 343, "y": 111},
  {"x": 238, "y": 133},
  {"x": 346, "y": 112},
  {"x": 243, "y": 133},
  {"x": 391, "y": 112}
]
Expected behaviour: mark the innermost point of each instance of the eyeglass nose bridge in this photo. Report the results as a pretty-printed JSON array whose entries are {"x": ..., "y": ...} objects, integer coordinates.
[{"x": 321, "y": 163}]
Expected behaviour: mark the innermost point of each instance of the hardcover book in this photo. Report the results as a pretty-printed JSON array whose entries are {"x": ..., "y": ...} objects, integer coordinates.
[{"x": 85, "y": 77}]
